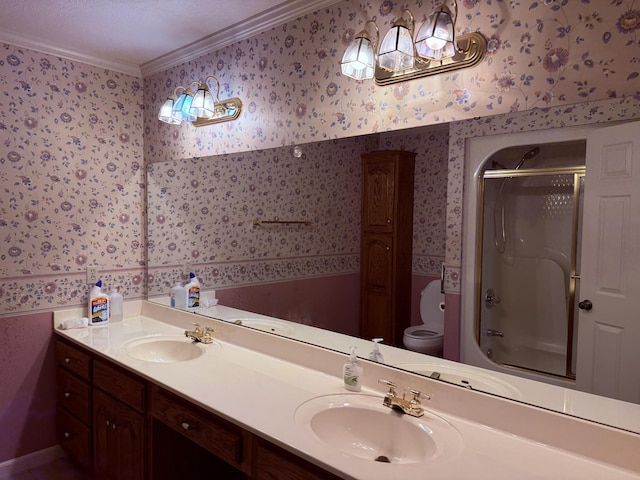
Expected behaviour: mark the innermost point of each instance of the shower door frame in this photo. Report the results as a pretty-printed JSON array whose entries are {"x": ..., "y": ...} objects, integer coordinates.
[{"x": 578, "y": 173}]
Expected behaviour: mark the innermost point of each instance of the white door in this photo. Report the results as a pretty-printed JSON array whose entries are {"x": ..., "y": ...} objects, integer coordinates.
[{"x": 608, "y": 359}]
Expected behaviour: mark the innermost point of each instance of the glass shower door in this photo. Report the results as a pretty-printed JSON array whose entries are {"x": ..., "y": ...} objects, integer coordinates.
[{"x": 528, "y": 268}]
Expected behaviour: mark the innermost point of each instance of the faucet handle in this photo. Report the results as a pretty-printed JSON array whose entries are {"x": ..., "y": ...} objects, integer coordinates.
[
  {"x": 392, "y": 386},
  {"x": 417, "y": 395},
  {"x": 197, "y": 327}
]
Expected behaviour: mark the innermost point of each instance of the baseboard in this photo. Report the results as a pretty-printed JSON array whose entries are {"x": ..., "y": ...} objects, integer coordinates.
[{"x": 31, "y": 460}]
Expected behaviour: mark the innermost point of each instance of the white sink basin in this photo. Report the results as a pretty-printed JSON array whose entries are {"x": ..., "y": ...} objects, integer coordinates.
[
  {"x": 466, "y": 378},
  {"x": 264, "y": 324},
  {"x": 360, "y": 426},
  {"x": 165, "y": 348}
]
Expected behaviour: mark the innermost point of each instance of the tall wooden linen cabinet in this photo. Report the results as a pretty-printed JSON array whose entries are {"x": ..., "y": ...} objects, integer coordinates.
[{"x": 386, "y": 244}]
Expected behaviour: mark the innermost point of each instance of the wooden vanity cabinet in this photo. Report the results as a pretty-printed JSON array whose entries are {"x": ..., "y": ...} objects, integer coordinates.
[
  {"x": 126, "y": 428},
  {"x": 386, "y": 244},
  {"x": 73, "y": 394},
  {"x": 118, "y": 423}
]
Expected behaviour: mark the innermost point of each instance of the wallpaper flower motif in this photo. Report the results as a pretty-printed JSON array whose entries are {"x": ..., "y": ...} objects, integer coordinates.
[
  {"x": 540, "y": 54},
  {"x": 72, "y": 180}
]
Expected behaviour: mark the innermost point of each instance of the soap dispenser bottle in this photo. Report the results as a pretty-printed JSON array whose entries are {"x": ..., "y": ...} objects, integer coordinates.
[
  {"x": 352, "y": 373},
  {"x": 375, "y": 354}
]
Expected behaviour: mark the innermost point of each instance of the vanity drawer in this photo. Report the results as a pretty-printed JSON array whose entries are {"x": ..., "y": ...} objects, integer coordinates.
[
  {"x": 73, "y": 359},
  {"x": 74, "y": 395},
  {"x": 120, "y": 385},
  {"x": 74, "y": 437},
  {"x": 220, "y": 437}
]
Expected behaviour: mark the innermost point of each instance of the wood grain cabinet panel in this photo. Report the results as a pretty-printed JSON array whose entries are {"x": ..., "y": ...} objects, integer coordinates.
[
  {"x": 73, "y": 395},
  {"x": 386, "y": 244},
  {"x": 215, "y": 434},
  {"x": 273, "y": 463},
  {"x": 118, "y": 438}
]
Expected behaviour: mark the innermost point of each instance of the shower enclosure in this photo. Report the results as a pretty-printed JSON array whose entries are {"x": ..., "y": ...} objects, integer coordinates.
[{"x": 527, "y": 256}]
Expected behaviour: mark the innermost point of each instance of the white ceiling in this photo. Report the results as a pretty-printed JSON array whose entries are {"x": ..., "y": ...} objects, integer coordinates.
[{"x": 141, "y": 37}]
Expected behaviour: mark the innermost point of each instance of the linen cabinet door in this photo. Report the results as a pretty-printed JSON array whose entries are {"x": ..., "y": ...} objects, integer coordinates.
[{"x": 377, "y": 287}]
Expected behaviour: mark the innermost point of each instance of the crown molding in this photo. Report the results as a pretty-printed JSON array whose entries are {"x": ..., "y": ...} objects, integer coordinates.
[
  {"x": 32, "y": 44},
  {"x": 283, "y": 13},
  {"x": 275, "y": 17}
]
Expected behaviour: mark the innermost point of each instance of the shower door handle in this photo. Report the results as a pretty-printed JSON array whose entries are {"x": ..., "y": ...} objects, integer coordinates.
[{"x": 585, "y": 305}]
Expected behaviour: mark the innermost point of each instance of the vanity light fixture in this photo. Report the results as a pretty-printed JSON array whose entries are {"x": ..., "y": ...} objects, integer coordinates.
[
  {"x": 401, "y": 57},
  {"x": 200, "y": 108}
]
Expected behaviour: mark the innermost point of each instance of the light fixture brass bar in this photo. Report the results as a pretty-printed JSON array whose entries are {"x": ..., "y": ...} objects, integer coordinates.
[
  {"x": 471, "y": 50},
  {"x": 231, "y": 109}
]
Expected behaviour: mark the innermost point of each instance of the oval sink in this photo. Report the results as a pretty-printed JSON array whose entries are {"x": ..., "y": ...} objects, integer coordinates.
[
  {"x": 164, "y": 349},
  {"x": 360, "y": 426},
  {"x": 264, "y": 324},
  {"x": 466, "y": 378}
]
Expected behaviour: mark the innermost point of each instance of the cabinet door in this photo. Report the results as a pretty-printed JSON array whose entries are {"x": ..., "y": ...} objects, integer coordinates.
[
  {"x": 102, "y": 425},
  {"x": 118, "y": 438},
  {"x": 378, "y": 195},
  {"x": 377, "y": 287},
  {"x": 129, "y": 443}
]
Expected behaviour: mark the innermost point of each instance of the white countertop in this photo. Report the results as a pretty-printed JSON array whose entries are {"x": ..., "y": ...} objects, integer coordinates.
[{"x": 258, "y": 380}]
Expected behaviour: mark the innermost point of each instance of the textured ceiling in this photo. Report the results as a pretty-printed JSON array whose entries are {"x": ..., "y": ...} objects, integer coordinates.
[{"x": 141, "y": 36}]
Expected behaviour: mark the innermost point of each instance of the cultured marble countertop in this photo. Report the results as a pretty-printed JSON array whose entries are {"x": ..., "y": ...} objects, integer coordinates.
[{"x": 258, "y": 380}]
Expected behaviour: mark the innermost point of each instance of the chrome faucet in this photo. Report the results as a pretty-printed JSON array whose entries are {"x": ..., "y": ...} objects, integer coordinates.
[
  {"x": 410, "y": 407},
  {"x": 199, "y": 334}
]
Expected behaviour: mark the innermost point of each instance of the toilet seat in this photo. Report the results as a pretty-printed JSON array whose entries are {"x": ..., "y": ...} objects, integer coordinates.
[
  {"x": 421, "y": 331},
  {"x": 429, "y": 337}
]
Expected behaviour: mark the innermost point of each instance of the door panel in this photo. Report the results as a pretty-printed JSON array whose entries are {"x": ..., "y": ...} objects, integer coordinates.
[{"x": 609, "y": 333}]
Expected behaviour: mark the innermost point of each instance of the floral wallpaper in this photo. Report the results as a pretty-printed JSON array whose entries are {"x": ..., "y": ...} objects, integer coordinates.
[
  {"x": 74, "y": 138},
  {"x": 202, "y": 211},
  {"x": 541, "y": 54},
  {"x": 72, "y": 179}
]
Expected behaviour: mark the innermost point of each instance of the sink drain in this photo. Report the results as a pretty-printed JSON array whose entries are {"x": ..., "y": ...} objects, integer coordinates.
[{"x": 383, "y": 459}]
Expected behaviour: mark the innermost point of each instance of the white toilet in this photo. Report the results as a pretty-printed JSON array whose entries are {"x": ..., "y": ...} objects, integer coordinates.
[{"x": 429, "y": 337}]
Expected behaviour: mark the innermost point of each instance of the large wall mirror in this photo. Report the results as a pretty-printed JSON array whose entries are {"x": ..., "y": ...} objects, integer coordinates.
[{"x": 277, "y": 231}]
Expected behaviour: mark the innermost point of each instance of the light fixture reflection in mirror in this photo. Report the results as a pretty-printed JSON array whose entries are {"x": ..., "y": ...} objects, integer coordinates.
[{"x": 200, "y": 108}]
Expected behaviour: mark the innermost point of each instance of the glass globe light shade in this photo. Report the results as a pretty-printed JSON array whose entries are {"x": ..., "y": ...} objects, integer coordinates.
[
  {"x": 358, "y": 60},
  {"x": 435, "y": 39},
  {"x": 166, "y": 112},
  {"x": 396, "y": 52}
]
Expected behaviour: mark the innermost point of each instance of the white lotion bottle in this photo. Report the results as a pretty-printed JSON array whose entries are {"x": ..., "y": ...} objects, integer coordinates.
[
  {"x": 116, "y": 305},
  {"x": 352, "y": 373},
  {"x": 98, "y": 305},
  {"x": 178, "y": 296}
]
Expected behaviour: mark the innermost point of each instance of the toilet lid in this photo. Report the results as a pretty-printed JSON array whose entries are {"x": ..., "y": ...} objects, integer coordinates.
[{"x": 432, "y": 307}]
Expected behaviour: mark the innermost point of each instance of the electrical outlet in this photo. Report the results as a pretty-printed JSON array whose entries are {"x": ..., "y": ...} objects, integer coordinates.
[
  {"x": 187, "y": 268},
  {"x": 92, "y": 275}
]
